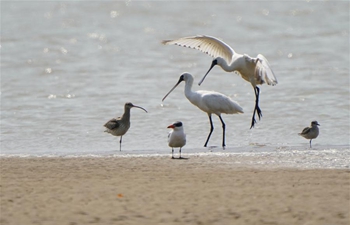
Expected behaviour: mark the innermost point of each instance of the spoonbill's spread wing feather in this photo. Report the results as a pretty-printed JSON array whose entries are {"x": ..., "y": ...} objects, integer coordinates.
[
  {"x": 263, "y": 71},
  {"x": 207, "y": 44}
]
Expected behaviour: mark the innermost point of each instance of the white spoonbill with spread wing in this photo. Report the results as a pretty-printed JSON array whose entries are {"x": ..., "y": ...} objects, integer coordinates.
[
  {"x": 210, "y": 102},
  {"x": 254, "y": 70}
]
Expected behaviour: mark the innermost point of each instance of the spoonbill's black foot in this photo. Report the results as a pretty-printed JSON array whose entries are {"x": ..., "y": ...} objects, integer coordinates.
[
  {"x": 259, "y": 112},
  {"x": 253, "y": 123}
]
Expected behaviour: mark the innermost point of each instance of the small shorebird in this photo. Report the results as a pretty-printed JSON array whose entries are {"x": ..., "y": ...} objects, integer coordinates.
[
  {"x": 310, "y": 132},
  {"x": 209, "y": 102},
  {"x": 176, "y": 137},
  {"x": 119, "y": 126},
  {"x": 256, "y": 71}
]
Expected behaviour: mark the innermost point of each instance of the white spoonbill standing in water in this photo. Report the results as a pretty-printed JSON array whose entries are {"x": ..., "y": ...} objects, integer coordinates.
[
  {"x": 176, "y": 137},
  {"x": 209, "y": 102},
  {"x": 254, "y": 70},
  {"x": 119, "y": 126}
]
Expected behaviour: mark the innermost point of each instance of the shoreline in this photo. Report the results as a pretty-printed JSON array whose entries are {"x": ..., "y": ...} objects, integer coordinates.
[
  {"x": 158, "y": 190},
  {"x": 284, "y": 158}
]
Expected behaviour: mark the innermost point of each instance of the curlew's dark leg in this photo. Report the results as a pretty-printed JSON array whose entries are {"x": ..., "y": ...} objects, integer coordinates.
[
  {"x": 211, "y": 130},
  {"x": 180, "y": 153},
  {"x": 172, "y": 153},
  {"x": 120, "y": 143},
  {"x": 310, "y": 143},
  {"x": 223, "y": 132},
  {"x": 256, "y": 108}
]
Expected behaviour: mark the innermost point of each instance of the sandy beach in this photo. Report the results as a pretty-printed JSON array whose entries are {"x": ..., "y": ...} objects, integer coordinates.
[{"x": 158, "y": 190}]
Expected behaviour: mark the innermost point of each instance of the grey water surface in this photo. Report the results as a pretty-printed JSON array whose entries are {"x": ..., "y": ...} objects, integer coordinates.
[{"x": 67, "y": 67}]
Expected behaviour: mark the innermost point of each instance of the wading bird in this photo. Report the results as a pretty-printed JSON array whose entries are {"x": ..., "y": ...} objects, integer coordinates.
[
  {"x": 176, "y": 137},
  {"x": 119, "y": 126},
  {"x": 254, "y": 70},
  {"x": 310, "y": 132},
  {"x": 209, "y": 102}
]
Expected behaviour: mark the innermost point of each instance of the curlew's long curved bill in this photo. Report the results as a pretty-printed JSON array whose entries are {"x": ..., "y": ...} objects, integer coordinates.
[
  {"x": 211, "y": 67},
  {"x": 172, "y": 88},
  {"x": 140, "y": 108}
]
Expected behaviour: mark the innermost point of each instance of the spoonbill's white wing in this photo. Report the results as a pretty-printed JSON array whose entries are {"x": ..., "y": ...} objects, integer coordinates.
[
  {"x": 217, "y": 103},
  {"x": 207, "y": 44},
  {"x": 263, "y": 71}
]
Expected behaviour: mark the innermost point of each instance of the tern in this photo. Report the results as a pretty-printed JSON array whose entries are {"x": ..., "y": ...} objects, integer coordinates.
[{"x": 176, "y": 137}]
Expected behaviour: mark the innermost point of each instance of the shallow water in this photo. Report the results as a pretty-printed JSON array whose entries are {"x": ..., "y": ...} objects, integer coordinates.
[{"x": 69, "y": 67}]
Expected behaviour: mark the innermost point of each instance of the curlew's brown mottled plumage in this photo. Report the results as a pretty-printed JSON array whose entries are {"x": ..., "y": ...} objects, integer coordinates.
[{"x": 119, "y": 126}]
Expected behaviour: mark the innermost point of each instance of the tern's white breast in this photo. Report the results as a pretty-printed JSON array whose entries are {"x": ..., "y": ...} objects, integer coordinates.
[{"x": 177, "y": 138}]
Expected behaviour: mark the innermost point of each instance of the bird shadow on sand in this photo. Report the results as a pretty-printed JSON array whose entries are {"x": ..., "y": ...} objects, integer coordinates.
[
  {"x": 215, "y": 147},
  {"x": 182, "y": 158}
]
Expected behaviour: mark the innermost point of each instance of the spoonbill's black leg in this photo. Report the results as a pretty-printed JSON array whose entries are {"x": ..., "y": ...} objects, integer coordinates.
[
  {"x": 211, "y": 130},
  {"x": 223, "y": 132}
]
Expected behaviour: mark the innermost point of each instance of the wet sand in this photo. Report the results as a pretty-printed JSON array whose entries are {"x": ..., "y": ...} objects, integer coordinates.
[{"x": 158, "y": 190}]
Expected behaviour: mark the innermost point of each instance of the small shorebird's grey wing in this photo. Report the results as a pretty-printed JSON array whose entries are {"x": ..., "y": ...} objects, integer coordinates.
[
  {"x": 207, "y": 44},
  {"x": 305, "y": 131},
  {"x": 112, "y": 124},
  {"x": 264, "y": 72}
]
